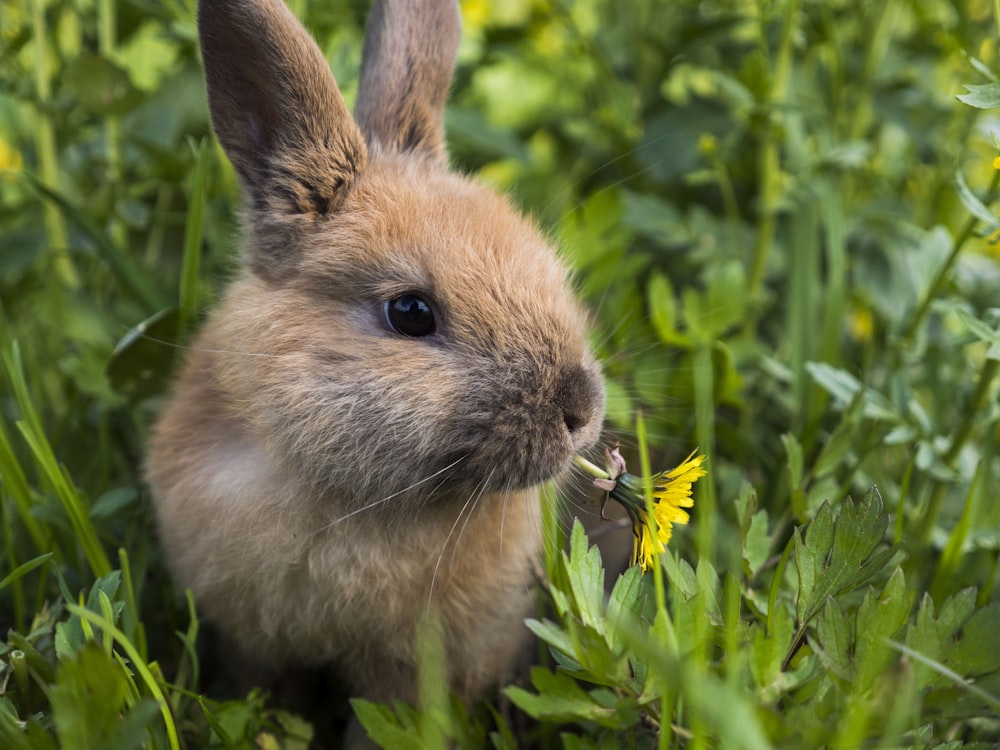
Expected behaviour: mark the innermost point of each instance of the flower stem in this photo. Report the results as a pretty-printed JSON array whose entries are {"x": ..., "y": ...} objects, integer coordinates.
[{"x": 590, "y": 468}]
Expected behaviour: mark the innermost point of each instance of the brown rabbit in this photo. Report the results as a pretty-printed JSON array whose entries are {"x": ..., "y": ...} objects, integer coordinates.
[{"x": 359, "y": 432}]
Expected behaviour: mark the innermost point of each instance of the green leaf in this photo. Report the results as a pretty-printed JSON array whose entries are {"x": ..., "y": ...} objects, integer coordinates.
[
  {"x": 767, "y": 651},
  {"x": 585, "y": 573},
  {"x": 131, "y": 731},
  {"x": 949, "y": 674},
  {"x": 710, "y": 314},
  {"x": 624, "y": 607},
  {"x": 99, "y": 86},
  {"x": 833, "y": 640},
  {"x": 14, "y": 737},
  {"x": 561, "y": 699},
  {"x": 384, "y": 728},
  {"x": 840, "y": 555},
  {"x": 986, "y": 96},
  {"x": 23, "y": 569},
  {"x": 981, "y": 331},
  {"x": 88, "y": 698},
  {"x": 113, "y": 502},
  {"x": 710, "y": 589},
  {"x": 977, "y": 651},
  {"x": 680, "y": 574},
  {"x": 843, "y": 440},
  {"x": 879, "y": 619},
  {"x": 757, "y": 543},
  {"x": 142, "y": 360},
  {"x": 553, "y": 635},
  {"x": 973, "y": 205},
  {"x": 844, "y": 387},
  {"x": 70, "y": 636},
  {"x": 663, "y": 310}
]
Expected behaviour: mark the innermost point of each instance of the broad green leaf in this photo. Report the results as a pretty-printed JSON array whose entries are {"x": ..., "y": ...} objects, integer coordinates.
[
  {"x": 833, "y": 640},
  {"x": 70, "y": 635},
  {"x": 710, "y": 314},
  {"x": 680, "y": 574},
  {"x": 131, "y": 732},
  {"x": 709, "y": 587},
  {"x": 973, "y": 205},
  {"x": 879, "y": 619},
  {"x": 383, "y": 726},
  {"x": 99, "y": 86},
  {"x": 767, "y": 651},
  {"x": 14, "y": 736},
  {"x": 624, "y": 607},
  {"x": 757, "y": 543},
  {"x": 561, "y": 699},
  {"x": 553, "y": 635},
  {"x": 586, "y": 578},
  {"x": 977, "y": 651},
  {"x": 981, "y": 331},
  {"x": 955, "y": 611},
  {"x": 840, "y": 555},
  {"x": 88, "y": 698},
  {"x": 985, "y": 96},
  {"x": 840, "y": 444},
  {"x": 844, "y": 387}
]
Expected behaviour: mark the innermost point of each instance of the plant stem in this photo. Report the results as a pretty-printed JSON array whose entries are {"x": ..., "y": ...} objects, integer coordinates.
[
  {"x": 590, "y": 468},
  {"x": 769, "y": 166},
  {"x": 941, "y": 277},
  {"x": 107, "y": 39},
  {"x": 45, "y": 145},
  {"x": 704, "y": 430}
]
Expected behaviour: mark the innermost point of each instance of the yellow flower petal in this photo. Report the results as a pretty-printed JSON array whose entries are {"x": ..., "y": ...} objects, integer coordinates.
[{"x": 671, "y": 493}]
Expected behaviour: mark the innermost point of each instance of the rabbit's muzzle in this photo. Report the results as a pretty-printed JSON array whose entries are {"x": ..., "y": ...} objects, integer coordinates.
[{"x": 532, "y": 425}]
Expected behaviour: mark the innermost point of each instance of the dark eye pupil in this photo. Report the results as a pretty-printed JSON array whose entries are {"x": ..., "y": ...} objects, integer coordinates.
[{"x": 410, "y": 315}]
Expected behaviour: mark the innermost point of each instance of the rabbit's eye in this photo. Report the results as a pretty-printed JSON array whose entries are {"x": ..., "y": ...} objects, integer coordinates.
[{"x": 409, "y": 315}]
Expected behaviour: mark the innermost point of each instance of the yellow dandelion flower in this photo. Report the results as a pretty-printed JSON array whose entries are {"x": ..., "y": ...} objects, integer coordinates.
[
  {"x": 671, "y": 495},
  {"x": 996, "y": 163}
]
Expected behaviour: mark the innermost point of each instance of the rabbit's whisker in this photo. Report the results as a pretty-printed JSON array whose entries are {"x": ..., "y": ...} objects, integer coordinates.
[
  {"x": 386, "y": 499},
  {"x": 473, "y": 497}
]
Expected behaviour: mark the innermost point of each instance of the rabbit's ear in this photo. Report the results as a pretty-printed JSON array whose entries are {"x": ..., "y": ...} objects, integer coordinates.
[
  {"x": 406, "y": 67},
  {"x": 276, "y": 108}
]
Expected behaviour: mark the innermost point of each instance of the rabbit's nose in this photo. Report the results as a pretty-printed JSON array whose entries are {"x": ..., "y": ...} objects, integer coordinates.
[{"x": 578, "y": 394}]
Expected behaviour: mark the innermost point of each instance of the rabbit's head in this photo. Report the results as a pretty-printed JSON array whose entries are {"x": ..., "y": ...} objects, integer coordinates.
[{"x": 396, "y": 327}]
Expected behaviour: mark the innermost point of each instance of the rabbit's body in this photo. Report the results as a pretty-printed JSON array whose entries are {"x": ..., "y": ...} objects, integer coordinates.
[{"x": 359, "y": 431}]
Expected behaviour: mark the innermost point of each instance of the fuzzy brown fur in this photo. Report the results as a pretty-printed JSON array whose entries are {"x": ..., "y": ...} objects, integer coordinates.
[{"x": 320, "y": 479}]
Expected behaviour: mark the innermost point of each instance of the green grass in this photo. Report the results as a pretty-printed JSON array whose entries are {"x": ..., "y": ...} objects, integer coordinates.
[{"x": 782, "y": 216}]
